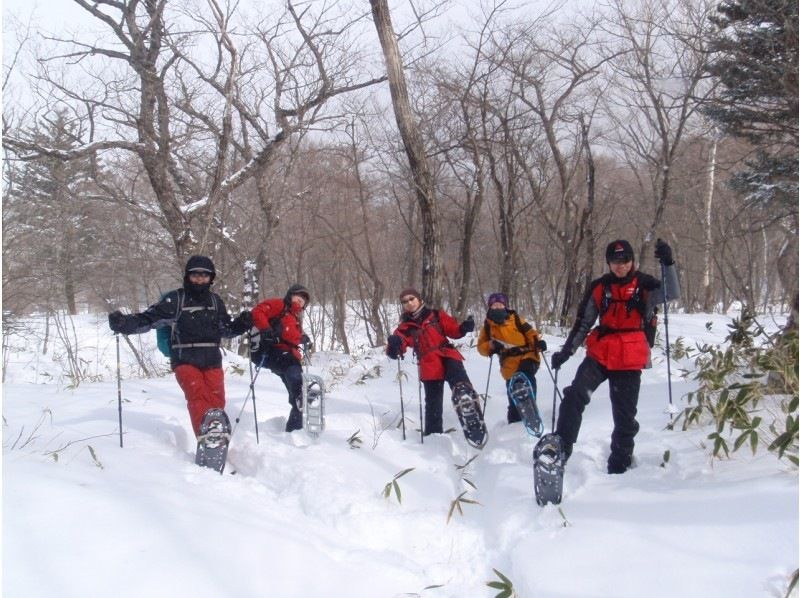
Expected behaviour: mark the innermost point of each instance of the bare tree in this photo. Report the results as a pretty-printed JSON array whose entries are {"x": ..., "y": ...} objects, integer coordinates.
[
  {"x": 415, "y": 151},
  {"x": 659, "y": 68},
  {"x": 170, "y": 103}
]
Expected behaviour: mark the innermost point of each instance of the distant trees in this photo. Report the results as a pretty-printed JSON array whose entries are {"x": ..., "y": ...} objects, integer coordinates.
[{"x": 516, "y": 155}]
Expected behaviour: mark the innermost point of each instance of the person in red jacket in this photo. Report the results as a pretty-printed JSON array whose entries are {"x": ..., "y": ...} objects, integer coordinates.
[
  {"x": 426, "y": 331},
  {"x": 283, "y": 318},
  {"x": 624, "y": 300}
]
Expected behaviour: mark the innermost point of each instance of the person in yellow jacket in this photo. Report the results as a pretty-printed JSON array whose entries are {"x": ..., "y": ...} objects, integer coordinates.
[{"x": 516, "y": 343}]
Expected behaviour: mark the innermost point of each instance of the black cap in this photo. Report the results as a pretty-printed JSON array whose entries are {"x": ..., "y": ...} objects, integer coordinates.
[
  {"x": 200, "y": 263},
  {"x": 619, "y": 251}
]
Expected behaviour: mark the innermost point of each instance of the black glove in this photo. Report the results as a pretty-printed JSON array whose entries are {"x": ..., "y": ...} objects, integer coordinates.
[
  {"x": 541, "y": 345},
  {"x": 394, "y": 346},
  {"x": 304, "y": 340},
  {"x": 496, "y": 348},
  {"x": 664, "y": 253},
  {"x": 559, "y": 358},
  {"x": 116, "y": 319},
  {"x": 468, "y": 325},
  {"x": 242, "y": 323}
]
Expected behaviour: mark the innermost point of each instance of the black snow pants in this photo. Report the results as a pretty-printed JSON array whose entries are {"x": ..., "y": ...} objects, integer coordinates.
[
  {"x": 454, "y": 373},
  {"x": 286, "y": 366},
  {"x": 624, "y": 395}
]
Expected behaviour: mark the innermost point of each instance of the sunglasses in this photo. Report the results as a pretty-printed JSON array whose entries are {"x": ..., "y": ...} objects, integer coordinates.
[{"x": 198, "y": 274}]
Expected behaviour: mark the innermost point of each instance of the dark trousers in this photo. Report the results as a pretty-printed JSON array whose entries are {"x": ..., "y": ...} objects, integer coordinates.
[
  {"x": 624, "y": 394},
  {"x": 286, "y": 366},
  {"x": 454, "y": 373}
]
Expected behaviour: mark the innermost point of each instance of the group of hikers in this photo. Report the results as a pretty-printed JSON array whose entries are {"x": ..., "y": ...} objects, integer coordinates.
[{"x": 623, "y": 302}]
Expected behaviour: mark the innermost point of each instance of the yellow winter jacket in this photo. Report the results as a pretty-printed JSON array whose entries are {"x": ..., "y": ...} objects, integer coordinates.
[{"x": 519, "y": 342}]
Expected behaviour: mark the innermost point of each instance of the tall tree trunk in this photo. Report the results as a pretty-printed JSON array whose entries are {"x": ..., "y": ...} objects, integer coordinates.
[
  {"x": 708, "y": 292},
  {"x": 415, "y": 151}
]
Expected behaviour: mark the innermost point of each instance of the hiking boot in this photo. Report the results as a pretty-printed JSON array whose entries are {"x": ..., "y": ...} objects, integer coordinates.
[
  {"x": 618, "y": 463},
  {"x": 512, "y": 415}
]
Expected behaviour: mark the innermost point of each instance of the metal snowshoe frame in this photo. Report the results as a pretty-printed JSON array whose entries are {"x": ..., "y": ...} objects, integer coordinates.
[
  {"x": 468, "y": 408},
  {"x": 212, "y": 443},
  {"x": 548, "y": 458},
  {"x": 548, "y": 464},
  {"x": 313, "y": 400},
  {"x": 520, "y": 389},
  {"x": 313, "y": 404}
]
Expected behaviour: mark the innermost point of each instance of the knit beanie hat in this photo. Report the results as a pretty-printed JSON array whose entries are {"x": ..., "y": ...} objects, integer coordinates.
[{"x": 410, "y": 291}]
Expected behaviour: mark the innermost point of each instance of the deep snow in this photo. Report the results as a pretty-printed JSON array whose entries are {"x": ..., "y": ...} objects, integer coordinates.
[{"x": 84, "y": 517}]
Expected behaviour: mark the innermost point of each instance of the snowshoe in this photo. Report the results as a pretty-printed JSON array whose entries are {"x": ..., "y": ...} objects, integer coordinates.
[
  {"x": 523, "y": 396},
  {"x": 212, "y": 444},
  {"x": 313, "y": 405},
  {"x": 548, "y": 469},
  {"x": 468, "y": 408}
]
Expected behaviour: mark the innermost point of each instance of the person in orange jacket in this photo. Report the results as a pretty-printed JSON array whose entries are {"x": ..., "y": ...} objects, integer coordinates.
[
  {"x": 283, "y": 319},
  {"x": 516, "y": 343}
]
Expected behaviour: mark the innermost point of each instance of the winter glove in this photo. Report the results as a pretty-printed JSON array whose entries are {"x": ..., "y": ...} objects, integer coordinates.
[
  {"x": 560, "y": 358},
  {"x": 664, "y": 253},
  {"x": 541, "y": 345},
  {"x": 246, "y": 319},
  {"x": 242, "y": 323},
  {"x": 395, "y": 346},
  {"x": 116, "y": 320},
  {"x": 304, "y": 340},
  {"x": 467, "y": 325},
  {"x": 496, "y": 348}
]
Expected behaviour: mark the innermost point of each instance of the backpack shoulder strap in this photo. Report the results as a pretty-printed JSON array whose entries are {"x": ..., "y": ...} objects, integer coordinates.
[
  {"x": 523, "y": 328},
  {"x": 178, "y": 311}
]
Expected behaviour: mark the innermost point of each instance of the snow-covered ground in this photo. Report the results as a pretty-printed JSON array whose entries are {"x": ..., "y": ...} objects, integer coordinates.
[{"x": 83, "y": 517}]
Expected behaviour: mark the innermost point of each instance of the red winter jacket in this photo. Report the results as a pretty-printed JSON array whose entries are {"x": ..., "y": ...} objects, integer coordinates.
[
  {"x": 622, "y": 305},
  {"x": 289, "y": 328},
  {"x": 427, "y": 336}
]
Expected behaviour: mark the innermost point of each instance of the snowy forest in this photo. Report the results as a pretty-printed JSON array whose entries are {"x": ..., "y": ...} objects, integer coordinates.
[{"x": 358, "y": 149}]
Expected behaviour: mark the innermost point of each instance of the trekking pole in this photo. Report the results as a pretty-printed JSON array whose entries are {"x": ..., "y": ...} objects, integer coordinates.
[
  {"x": 488, "y": 377},
  {"x": 244, "y": 403},
  {"x": 119, "y": 391},
  {"x": 402, "y": 406},
  {"x": 556, "y": 392},
  {"x": 419, "y": 396},
  {"x": 666, "y": 337},
  {"x": 252, "y": 391}
]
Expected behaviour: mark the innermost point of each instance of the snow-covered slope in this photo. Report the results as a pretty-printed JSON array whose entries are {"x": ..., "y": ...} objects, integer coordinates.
[{"x": 84, "y": 517}]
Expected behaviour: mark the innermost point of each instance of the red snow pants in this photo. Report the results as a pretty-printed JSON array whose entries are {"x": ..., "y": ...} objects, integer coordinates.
[{"x": 204, "y": 390}]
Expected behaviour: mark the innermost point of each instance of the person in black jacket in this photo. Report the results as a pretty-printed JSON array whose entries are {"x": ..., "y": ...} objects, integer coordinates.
[{"x": 199, "y": 321}]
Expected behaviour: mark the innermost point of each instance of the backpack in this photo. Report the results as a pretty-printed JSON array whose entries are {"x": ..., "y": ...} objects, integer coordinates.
[
  {"x": 523, "y": 328},
  {"x": 649, "y": 325},
  {"x": 262, "y": 340},
  {"x": 166, "y": 334}
]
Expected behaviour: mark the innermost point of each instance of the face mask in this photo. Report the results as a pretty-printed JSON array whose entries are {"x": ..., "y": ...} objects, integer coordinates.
[{"x": 498, "y": 316}]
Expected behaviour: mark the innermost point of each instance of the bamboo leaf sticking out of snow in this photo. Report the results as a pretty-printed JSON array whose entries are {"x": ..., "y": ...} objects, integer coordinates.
[
  {"x": 94, "y": 456},
  {"x": 456, "y": 505},
  {"x": 504, "y": 585},
  {"x": 392, "y": 484}
]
